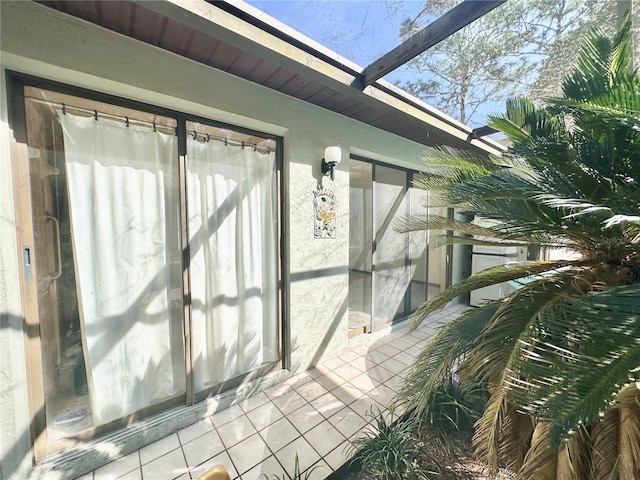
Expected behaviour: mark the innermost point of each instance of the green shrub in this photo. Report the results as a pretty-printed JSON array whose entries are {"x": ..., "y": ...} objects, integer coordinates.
[
  {"x": 388, "y": 450},
  {"x": 297, "y": 475},
  {"x": 455, "y": 405}
]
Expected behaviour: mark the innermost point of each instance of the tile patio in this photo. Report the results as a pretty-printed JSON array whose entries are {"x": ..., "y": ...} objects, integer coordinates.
[{"x": 313, "y": 414}]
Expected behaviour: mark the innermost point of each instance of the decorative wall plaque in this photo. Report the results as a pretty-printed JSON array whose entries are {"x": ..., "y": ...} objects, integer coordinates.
[{"x": 324, "y": 207}]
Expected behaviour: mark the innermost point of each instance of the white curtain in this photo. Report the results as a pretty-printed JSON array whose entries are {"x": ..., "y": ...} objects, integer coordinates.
[
  {"x": 233, "y": 230},
  {"x": 122, "y": 186}
]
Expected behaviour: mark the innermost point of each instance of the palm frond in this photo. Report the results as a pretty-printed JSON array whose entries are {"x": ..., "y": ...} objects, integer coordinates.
[
  {"x": 542, "y": 458},
  {"x": 437, "y": 241},
  {"x": 628, "y": 405},
  {"x": 616, "y": 220},
  {"x": 628, "y": 225},
  {"x": 497, "y": 346},
  {"x": 577, "y": 455},
  {"x": 418, "y": 223},
  {"x": 470, "y": 163},
  {"x": 618, "y": 108},
  {"x": 576, "y": 206},
  {"x": 436, "y": 361},
  {"x": 446, "y": 165},
  {"x": 576, "y": 358},
  {"x": 515, "y": 440},
  {"x": 485, "y": 278},
  {"x": 502, "y": 185},
  {"x": 601, "y": 63},
  {"x": 525, "y": 213},
  {"x": 564, "y": 466},
  {"x": 524, "y": 121},
  {"x": 487, "y": 438},
  {"x": 604, "y": 439},
  {"x": 622, "y": 54}
]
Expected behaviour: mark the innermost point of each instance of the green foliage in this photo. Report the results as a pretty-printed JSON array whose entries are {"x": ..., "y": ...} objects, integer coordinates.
[
  {"x": 490, "y": 276},
  {"x": 521, "y": 46},
  {"x": 297, "y": 474},
  {"x": 483, "y": 53},
  {"x": 593, "y": 341},
  {"x": 558, "y": 352},
  {"x": 388, "y": 451},
  {"x": 436, "y": 361},
  {"x": 455, "y": 405}
]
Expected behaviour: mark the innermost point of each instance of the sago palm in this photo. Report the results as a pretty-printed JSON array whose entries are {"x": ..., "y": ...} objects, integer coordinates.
[{"x": 561, "y": 355}]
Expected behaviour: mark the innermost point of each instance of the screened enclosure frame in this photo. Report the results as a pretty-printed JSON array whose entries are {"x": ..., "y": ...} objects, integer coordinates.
[{"x": 16, "y": 84}]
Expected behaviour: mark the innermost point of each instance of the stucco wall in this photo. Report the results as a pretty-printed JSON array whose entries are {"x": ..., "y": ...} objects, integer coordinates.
[{"x": 42, "y": 42}]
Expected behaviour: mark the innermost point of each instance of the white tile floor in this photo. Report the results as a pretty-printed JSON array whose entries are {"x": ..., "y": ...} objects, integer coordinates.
[{"x": 312, "y": 415}]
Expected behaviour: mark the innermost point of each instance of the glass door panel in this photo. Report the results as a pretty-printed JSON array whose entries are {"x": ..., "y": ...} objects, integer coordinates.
[
  {"x": 106, "y": 255},
  {"x": 360, "y": 242},
  {"x": 418, "y": 252},
  {"x": 392, "y": 273},
  {"x": 437, "y": 266},
  {"x": 233, "y": 229}
]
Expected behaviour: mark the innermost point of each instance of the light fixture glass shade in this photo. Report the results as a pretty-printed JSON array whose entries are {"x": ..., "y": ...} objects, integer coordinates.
[{"x": 332, "y": 155}]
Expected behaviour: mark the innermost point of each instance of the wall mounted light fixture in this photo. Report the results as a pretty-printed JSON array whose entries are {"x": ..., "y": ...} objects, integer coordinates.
[{"x": 332, "y": 157}]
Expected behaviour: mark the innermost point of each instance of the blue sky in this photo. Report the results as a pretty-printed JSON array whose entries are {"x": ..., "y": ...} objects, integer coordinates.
[{"x": 360, "y": 30}]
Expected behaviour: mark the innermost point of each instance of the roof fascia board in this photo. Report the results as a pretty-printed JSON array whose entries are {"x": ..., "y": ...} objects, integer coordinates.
[
  {"x": 458, "y": 17},
  {"x": 265, "y": 22},
  {"x": 485, "y": 143},
  {"x": 215, "y": 22},
  {"x": 395, "y": 105}
]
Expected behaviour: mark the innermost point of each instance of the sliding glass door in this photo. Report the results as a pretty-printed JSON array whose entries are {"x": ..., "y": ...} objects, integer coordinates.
[
  {"x": 360, "y": 246},
  {"x": 110, "y": 199},
  {"x": 103, "y": 243},
  {"x": 391, "y": 248},
  {"x": 233, "y": 231},
  {"x": 390, "y": 273}
]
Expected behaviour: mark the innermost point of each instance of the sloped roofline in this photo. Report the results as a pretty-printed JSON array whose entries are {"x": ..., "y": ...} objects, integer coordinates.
[{"x": 287, "y": 34}]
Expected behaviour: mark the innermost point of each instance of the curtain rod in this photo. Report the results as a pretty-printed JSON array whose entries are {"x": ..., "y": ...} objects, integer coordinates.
[{"x": 206, "y": 137}]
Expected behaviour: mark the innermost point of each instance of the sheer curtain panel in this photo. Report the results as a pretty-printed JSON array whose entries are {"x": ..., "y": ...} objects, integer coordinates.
[
  {"x": 233, "y": 245},
  {"x": 122, "y": 187}
]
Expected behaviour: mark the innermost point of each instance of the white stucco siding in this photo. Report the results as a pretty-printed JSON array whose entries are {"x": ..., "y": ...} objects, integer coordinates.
[{"x": 39, "y": 41}]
